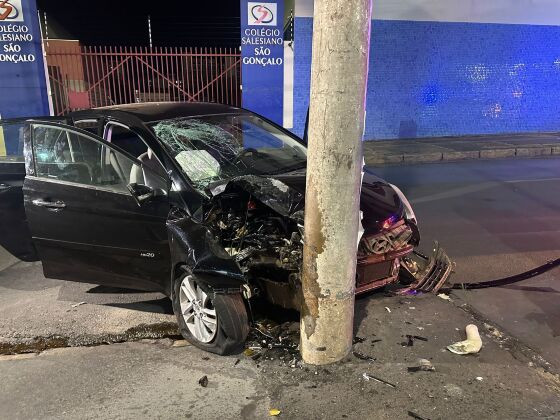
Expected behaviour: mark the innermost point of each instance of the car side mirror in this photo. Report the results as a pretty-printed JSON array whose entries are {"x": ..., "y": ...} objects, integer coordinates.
[{"x": 143, "y": 193}]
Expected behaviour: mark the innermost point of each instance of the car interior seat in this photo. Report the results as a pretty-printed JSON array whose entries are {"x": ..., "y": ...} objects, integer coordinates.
[{"x": 140, "y": 176}]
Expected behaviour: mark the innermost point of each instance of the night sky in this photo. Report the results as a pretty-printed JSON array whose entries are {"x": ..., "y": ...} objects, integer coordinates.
[{"x": 125, "y": 22}]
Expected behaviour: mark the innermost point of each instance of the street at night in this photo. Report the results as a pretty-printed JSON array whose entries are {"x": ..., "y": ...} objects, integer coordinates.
[
  {"x": 496, "y": 219},
  {"x": 463, "y": 205},
  {"x": 294, "y": 209}
]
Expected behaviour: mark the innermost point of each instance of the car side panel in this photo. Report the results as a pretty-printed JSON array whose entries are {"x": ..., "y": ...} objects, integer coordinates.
[{"x": 100, "y": 237}]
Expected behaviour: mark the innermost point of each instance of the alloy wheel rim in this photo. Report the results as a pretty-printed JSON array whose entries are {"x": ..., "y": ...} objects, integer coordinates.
[{"x": 198, "y": 311}]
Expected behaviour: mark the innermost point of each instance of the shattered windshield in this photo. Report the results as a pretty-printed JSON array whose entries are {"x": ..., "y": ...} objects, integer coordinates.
[{"x": 221, "y": 147}]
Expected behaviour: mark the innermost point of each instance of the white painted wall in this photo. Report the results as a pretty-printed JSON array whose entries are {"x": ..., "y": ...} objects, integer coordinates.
[
  {"x": 530, "y": 12},
  {"x": 288, "y": 117},
  {"x": 304, "y": 8}
]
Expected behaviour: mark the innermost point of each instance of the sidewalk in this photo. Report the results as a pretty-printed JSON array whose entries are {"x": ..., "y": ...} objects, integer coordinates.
[
  {"x": 38, "y": 313},
  {"x": 430, "y": 150},
  {"x": 154, "y": 379}
]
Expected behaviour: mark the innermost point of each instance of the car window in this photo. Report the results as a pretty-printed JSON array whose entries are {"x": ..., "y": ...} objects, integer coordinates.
[
  {"x": 88, "y": 125},
  {"x": 11, "y": 139},
  {"x": 257, "y": 137},
  {"x": 125, "y": 139},
  {"x": 132, "y": 143},
  {"x": 65, "y": 155}
]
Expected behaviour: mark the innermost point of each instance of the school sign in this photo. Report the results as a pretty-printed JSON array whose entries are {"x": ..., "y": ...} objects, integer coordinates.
[{"x": 23, "y": 87}]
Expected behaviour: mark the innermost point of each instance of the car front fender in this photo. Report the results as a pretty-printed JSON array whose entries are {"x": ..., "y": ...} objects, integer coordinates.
[{"x": 194, "y": 248}]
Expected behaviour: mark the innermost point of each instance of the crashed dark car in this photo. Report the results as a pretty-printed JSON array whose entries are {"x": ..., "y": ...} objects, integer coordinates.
[{"x": 203, "y": 202}]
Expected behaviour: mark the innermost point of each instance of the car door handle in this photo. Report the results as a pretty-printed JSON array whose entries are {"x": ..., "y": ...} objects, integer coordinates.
[{"x": 49, "y": 204}]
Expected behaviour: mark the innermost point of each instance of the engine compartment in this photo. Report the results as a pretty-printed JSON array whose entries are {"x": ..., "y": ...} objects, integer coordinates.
[{"x": 267, "y": 246}]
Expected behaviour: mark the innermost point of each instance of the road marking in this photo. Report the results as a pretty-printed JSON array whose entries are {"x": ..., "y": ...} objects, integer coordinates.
[
  {"x": 475, "y": 188},
  {"x": 456, "y": 192},
  {"x": 532, "y": 180}
]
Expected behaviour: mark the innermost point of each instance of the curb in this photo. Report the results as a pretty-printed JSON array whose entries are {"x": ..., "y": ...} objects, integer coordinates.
[
  {"x": 453, "y": 156},
  {"x": 38, "y": 344}
]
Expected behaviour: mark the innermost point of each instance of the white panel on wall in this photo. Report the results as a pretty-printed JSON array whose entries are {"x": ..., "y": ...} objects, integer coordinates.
[
  {"x": 304, "y": 8},
  {"x": 288, "y": 120},
  {"x": 531, "y": 12}
]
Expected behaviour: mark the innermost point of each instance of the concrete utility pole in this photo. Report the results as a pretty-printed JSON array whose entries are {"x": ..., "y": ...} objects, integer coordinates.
[{"x": 341, "y": 32}]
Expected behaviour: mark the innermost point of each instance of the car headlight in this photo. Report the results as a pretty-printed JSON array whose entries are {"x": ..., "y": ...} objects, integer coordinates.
[{"x": 409, "y": 213}]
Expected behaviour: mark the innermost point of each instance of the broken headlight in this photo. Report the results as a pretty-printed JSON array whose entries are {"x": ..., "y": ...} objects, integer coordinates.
[{"x": 409, "y": 213}]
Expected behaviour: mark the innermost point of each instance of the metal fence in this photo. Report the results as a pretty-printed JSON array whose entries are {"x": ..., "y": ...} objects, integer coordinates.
[{"x": 85, "y": 77}]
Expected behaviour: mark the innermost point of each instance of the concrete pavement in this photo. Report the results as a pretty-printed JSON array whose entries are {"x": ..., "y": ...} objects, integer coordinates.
[
  {"x": 445, "y": 149},
  {"x": 152, "y": 379},
  {"x": 38, "y": 313}
]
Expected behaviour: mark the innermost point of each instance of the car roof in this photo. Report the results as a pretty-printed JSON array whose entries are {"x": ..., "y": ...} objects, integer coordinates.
[{"x": 157, "y": 111}]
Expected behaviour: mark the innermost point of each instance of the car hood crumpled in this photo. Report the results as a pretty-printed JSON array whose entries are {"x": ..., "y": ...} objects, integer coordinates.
[{"x": 285, "y": 194}]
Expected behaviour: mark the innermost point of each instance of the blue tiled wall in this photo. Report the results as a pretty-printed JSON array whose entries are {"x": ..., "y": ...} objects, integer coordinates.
[
  {"x": 446, "y": 79},
  {"x": 303, "y": 31}
]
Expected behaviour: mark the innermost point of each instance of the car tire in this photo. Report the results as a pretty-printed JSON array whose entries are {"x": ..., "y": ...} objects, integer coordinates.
[{"x": 218, "y": 324}]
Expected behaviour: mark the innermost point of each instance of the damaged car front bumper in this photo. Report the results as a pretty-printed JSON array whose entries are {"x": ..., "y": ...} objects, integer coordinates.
[
  {"x": 422, "y": 273},
  {"x": 427, "y": 273}
]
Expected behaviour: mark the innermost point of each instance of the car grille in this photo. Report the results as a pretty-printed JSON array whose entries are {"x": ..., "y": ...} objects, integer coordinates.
[{"x": 382, "y": 243}]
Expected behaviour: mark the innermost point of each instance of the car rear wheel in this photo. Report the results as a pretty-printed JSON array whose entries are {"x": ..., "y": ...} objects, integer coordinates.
[{"x": 218, "y": 323}]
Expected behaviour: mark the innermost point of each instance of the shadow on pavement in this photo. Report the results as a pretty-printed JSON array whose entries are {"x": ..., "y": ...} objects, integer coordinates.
[
  {"x": 157, "y": 306},
  {"x": 113, "y": 290}
]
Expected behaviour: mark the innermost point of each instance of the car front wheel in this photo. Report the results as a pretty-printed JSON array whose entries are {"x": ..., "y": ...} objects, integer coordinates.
[{"x": 218, "y": 323}]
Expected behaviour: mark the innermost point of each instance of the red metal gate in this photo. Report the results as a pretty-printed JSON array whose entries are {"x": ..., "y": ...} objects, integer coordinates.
[{"x": 85, "y": 77}]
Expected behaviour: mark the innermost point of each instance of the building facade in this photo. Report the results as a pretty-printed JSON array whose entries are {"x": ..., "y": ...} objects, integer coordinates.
[{"x": 450, "y": 67}]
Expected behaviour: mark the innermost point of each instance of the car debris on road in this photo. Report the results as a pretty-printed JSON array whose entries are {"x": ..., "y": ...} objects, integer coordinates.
[
  {"x": 410, "y": 340},
  {"x": 370, "y": 377},
  {"x": 203, "y": 382},
  {"x": 423, "y": 365},
  {"x": 271, "y": 341},
  {"x": 361, "y": 356},
  {"x": 180, "y": 343},
  {"x": 416, "y": 416},
  {"x": 471, "y": 345}
]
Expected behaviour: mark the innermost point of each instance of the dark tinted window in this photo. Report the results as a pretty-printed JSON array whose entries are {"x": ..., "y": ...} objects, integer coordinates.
[
  {"x": 89, "y": 125},
  {"x": 127, "y": 140},
  {"x": 65, "y": 155},
  {"x": 11, "y": 139}
]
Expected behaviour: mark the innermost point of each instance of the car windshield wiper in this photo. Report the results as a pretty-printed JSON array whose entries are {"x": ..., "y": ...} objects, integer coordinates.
[{"x": 288, "y": 169}]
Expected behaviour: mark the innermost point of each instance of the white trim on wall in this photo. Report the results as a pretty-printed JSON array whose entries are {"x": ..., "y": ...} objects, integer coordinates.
[
  {"x": 288, "y": 118},
  {"x": 528, "y": 12},
  {"x": 304, "y": 8}
]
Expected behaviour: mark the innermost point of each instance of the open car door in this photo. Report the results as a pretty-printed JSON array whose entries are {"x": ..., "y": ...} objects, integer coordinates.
[
  {"x": 87, "y": 221},
  {"x": 15, "y": 235}
]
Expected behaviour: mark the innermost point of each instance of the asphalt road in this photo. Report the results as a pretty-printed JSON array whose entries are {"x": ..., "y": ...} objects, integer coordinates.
[{"x": 496, "y": 219}]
